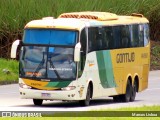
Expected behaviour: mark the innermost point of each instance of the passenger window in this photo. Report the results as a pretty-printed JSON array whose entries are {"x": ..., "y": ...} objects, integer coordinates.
[
  {"x": 92, "y": 36},
  {"x": 135, "y": 36},
  {"x": 141, "y": 35},
  {"x": 146, "y": 34},
  {"x": 125, "y": 36},
  {"x": 83, "y": 40},
  {"x": 109, "y": 38}
]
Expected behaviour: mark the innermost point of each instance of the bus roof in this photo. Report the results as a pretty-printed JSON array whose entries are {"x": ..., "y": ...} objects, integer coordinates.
[{"x": 77, "y": 20}]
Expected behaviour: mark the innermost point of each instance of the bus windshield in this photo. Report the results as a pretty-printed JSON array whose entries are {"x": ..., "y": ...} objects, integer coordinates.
[
  {"x": 49, "y": 36},
  {"x": 41, "y": 58}
]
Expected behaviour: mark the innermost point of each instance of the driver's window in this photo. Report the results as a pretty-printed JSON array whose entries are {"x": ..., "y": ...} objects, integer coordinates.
[{"x": 83, "y": 41}]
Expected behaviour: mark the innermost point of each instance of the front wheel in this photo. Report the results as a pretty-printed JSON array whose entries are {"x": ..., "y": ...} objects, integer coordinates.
[
  {"x": 86, "y": 102},
  {"x": 37, "y": 102}
]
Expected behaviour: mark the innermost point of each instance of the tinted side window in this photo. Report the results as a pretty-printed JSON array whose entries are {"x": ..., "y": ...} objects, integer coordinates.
[
  {"x": 92, "y": 43},
  {"x": 141, "y": 35},
  {"x": 114, "y": 37},
  {"x": 146, "y": 34},
  {"x": 83, "y": 40},
  {"x": 101, "y": 39},
  {"x": 96, "y": 39},
  {"x": 117, "y": 36},
  {"x": 135, "y": 34},
  {"x": 121, "y": 36},
  {"x": 110, "y": 43},
  {"x": 125, "y": 36}
]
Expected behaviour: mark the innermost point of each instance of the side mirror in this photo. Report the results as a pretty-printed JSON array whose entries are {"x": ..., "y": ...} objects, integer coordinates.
[
  {"x": 77, "y": 52},
  {"x": 14, "y": 47}
]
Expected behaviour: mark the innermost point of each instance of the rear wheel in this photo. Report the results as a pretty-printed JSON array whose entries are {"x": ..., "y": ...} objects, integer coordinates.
[
  {"x": 127, "y": 96},
  {"x": 86, "y": 102},
  {"x": 117, "y": 98},
  {"x": 37, "y": 102},
  {"x": 133, "y": 92}
]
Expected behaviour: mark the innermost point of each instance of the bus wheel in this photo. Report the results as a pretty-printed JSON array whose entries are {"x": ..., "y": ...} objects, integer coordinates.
[
  {"x": 133, "y": 92},
  {"x": 37, "y": 102},
  {"x": 86, "y": 102},
  {"x": 127, "y": 96},
  {"x": 117, "y": 98}
]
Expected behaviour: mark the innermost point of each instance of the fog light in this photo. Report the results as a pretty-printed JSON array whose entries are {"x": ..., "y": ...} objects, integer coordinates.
[{"x": 73, "y": 95}]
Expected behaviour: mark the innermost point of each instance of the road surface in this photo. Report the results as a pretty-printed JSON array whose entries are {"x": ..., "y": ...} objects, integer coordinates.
[{"x": 10, "y": 100}]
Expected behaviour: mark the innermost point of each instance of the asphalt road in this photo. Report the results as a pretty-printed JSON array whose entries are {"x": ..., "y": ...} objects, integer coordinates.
[{"x": 10, "y": 100}]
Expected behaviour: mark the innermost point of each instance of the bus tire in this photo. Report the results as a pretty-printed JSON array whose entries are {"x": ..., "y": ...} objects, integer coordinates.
[
  {"x": 117, "y": 98},
  {"x": 86, "y": 102},
  {"x": 37, "y": 102},
  {"x": 127, "y": 96},
  {"x": 133, "y": 92}
]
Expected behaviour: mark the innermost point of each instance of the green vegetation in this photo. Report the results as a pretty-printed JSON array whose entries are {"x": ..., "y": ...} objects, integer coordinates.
[
  {"x": 155, "y": 55},
  {"x": 86, "y": 118},
  {"x": 121, "y": 112},
  {"x": 156, "y": 51},
  {"x": 8, "y": 71},
  {"x": 14, "y": 14},
  {"x": 143, "y": 108},
  {"x": 79, "y": 115}
]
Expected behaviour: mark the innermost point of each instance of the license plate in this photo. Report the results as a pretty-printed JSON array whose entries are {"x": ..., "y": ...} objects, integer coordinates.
[{"x": 48, "y": 95}]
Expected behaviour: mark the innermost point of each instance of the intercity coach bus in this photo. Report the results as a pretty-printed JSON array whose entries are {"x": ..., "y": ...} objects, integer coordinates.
[{"x": 82, "y": 56}]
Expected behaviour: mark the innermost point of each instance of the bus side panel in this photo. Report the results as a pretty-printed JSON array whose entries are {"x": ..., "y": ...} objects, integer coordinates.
[
  {"x": 144, "y": 85},
  {"x": 90, "y": 73},
  {"x": 105, "y": 69},
  {"x": 128, "y": 63},
  {"x": 98, "y": 69},
  {"x": 118, "y": 70},
  {"x": 118, "y": 75},
  {"x": 145, "y": 56},
  {"x": 106, "y": 73}
]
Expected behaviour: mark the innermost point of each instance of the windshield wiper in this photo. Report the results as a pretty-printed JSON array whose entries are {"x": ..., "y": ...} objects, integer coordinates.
[
  {"x": 39, "y": 66},
  {"x": 54, "y": 68}
]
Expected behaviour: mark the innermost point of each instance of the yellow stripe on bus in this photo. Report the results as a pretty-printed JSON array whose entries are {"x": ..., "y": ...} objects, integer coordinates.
[{"x": 38, "y": 84}]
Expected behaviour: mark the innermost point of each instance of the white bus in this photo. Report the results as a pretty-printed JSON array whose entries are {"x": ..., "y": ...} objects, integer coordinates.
[{"x": 84, "y": 55}]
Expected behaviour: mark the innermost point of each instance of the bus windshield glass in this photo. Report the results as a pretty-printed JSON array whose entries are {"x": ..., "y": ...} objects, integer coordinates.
[
  {"x": 49, "y": 36},
  {"x": 48, "y": 54}
]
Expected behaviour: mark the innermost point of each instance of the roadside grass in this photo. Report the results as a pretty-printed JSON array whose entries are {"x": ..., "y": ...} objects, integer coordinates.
[
  {"x": 155, "y": 55},
  {"x": 14, "y": 14},
  {"x": 8, "y": 71},
  {"x": 80, "y": 115},
  {"x": 11, "y": 20}
]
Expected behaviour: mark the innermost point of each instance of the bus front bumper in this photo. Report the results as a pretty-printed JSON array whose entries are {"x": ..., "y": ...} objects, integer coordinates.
[{"x": 49, "y": 95}]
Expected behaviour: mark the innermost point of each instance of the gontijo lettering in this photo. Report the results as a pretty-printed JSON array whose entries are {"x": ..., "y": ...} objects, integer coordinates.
[{"x": 125, "y": 57}]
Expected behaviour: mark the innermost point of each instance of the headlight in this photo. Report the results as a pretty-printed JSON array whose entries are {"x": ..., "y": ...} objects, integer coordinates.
[
  {"x": 22, "y": 85},
  {"x": 68, "y": 88}
]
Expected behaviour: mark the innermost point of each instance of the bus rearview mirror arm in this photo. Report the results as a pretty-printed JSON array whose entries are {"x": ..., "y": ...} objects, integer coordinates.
[
  {"x": 14, "y": 48},
  {"x": 77, "y": 52}
]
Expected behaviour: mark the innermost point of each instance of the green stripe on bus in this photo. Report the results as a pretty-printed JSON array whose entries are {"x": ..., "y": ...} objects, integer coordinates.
[
  {"x": 60, "y": 84},
  {"x": 105, "y": 69}
]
